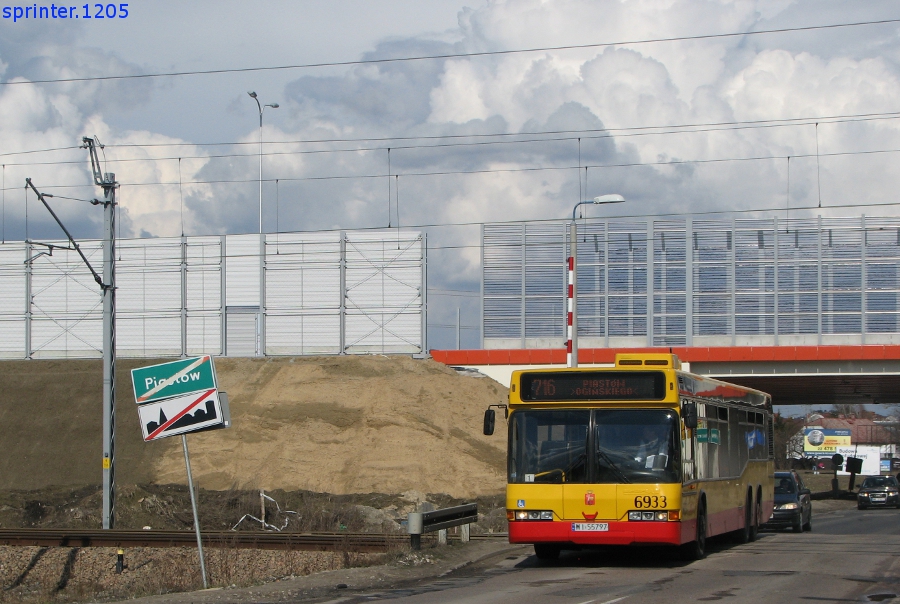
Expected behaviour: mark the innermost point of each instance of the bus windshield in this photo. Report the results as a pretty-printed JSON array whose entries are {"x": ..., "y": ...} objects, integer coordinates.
[
  {"x": 638, "y": 446},
  {"x": 594, "y": 446}
]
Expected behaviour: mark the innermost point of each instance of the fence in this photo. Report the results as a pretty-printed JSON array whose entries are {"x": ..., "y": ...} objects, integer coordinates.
[
  {"x": 695, "y": 282},
  {"x": 323, "y": 293}
]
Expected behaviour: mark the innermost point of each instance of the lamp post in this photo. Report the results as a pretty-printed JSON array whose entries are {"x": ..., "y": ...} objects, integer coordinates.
[
  {"x": 261, "y": 108},
  {"x": 260, "y": 318},
  {"x": 572, "y": 310}
]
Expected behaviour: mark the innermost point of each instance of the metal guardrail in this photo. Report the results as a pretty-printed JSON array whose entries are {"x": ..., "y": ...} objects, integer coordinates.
[
  {"x": 355, "y": 542},
  {"x": 439, "y": 520}
]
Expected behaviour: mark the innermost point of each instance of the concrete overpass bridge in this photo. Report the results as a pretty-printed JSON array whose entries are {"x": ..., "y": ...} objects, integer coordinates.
[{"x": 794, "y": 375}]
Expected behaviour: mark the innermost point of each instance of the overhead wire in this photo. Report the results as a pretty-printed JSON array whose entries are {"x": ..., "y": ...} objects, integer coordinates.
[
  {"x": 633, "y": 131},
  {"x": 661, "y": 215},
  {"x": 29, "y": 151},
  {"x": 693, "y": 213},
  {"x": 620, "y": 131},
  {"x": 547, "y": 136},
  {"x": 659, "y": 163},
  {"x": 457, "y": 55},
  {"x": 664, "y": 162}
]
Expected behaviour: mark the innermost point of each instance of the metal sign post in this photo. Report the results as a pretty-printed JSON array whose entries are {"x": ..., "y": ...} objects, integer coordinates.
[
  {"x": 187, "y": 464},
  {"x": 179, "y": 397}
]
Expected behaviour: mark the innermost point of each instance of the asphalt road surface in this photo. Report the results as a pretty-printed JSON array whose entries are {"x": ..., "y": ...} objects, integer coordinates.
[{"x": 850, "y": 556}]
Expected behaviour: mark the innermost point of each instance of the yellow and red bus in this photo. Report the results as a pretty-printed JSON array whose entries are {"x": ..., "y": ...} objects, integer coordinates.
[{"x": 641, "y": 453}]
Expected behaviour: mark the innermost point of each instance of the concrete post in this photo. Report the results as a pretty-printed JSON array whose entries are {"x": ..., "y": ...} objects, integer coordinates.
[{"x": 414, "y": 526}]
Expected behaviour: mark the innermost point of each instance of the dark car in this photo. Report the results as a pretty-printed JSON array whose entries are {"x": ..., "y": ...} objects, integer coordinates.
[
  {"x": 793, "y": 505},
  {"x": 878, "y": 490}
]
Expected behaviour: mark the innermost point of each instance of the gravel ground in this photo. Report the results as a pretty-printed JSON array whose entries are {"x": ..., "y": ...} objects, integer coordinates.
[
  {"x": 37, "y": 574},
  {"x": 155, "y": 575},
  {"x": 829, "y": 505},
  {"x": 403, "y": 569}
]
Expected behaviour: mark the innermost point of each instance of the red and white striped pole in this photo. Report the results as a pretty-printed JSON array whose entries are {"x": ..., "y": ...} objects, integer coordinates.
[
  {"x": 572, "y": 295},
  {"x": 571, "y": 318}
]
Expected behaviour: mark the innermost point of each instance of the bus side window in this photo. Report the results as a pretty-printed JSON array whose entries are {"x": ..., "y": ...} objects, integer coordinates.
[
  {"x": 742, "y": 439},
  {"x": 701, "y": 459},
  {"x": 711, "y": 441},
  {"x": 739, "y": 452},
  {"x": 687, "y": 445}
]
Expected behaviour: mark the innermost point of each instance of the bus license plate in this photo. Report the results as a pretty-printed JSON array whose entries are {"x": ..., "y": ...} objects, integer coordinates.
[{"x": 589, "y": 526}]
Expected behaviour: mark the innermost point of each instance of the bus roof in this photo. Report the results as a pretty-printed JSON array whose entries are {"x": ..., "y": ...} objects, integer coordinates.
[{"x": 636, "y": 377}]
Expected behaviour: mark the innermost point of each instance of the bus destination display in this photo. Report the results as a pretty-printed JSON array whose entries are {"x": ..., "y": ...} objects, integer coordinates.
[{"x": 594, "y": 386}]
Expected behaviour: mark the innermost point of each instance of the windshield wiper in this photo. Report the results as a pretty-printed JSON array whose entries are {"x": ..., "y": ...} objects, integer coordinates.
[{"x": 613, "y": 466}]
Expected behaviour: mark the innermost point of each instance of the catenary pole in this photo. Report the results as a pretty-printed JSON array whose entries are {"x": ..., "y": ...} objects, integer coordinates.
[
  {"x": 107, "y": 285},
  {"x": 108, "y": 182},
  {"x": 109, "y": 350}
]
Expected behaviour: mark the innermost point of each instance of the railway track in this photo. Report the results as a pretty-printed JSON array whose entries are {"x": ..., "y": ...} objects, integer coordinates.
[{"x": 345, "y": 542}]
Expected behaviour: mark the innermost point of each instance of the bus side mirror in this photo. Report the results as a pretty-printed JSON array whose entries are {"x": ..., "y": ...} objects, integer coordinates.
[
  {"x": 689, "y": 414},
  {"x": 489, "y": 419}
]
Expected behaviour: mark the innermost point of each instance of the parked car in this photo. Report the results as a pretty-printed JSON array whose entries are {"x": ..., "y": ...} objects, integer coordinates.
[
  {"x": 793, "y": 505},
  {"x": 878, "y": 491}
]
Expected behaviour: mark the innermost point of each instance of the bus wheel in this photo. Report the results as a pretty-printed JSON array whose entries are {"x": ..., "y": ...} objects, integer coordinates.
[
  {"x": 757, "y": 519},
  {"x": 696, "y": 550},
  {"x": 547, "y": 551},
  {"x": 745, "y": 534}
]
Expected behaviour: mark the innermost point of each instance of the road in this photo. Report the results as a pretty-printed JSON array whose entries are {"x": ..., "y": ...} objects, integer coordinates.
[{"x": 850, "y": 556}]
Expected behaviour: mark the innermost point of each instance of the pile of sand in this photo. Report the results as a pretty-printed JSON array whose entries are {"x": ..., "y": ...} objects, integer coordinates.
[{"x": 333, "y": 424}]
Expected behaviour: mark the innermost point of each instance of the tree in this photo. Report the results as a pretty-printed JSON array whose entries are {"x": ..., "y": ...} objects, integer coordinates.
[
  {"x": 786, "y": 445},
  {"x": 848, "y": 410}
]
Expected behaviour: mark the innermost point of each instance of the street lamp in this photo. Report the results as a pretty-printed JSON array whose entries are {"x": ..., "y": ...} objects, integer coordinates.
[
  {"x": 261, "y": 108},
  {"x": 571, "y": 316},
  {"x": 260, "y": 318}
]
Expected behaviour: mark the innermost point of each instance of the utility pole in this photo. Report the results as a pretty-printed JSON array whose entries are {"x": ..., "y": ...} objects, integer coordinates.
[
  {"x": 107, "y": 285},
  {"x": 109, "y": 184}
]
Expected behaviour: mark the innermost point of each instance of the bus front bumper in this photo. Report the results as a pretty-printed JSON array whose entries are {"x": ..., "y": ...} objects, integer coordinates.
[{"x": 616, "y": 533}]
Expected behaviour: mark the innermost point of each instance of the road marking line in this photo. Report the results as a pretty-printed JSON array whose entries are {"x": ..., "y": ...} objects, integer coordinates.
[{"x": 607, "y": 602}]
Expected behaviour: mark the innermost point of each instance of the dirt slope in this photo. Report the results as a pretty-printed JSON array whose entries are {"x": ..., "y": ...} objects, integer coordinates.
[{"x": 334, "y": 424}]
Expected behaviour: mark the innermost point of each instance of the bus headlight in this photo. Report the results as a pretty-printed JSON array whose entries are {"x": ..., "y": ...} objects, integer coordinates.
[
  {"x": 533, "y": 515},
  {"x": 635, "y": 515}
]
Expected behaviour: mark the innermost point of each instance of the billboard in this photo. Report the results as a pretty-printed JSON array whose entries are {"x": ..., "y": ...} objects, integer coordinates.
[
  {"x": 871, "y": 456},
  {"x": 820, "y": 441}
]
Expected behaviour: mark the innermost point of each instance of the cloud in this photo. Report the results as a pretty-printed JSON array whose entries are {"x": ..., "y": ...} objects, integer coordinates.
[
  {"x": 452, "y": 124},
  {"x": 586, "y": 91},
  {"x": 55, "y": 117}
]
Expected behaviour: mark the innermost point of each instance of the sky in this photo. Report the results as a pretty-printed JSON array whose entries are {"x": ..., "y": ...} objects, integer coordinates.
[{"x": 717, "y": 120}]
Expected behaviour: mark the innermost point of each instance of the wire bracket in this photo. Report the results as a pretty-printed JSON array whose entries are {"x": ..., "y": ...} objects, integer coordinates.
[{"x": 42, "y": 197}]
